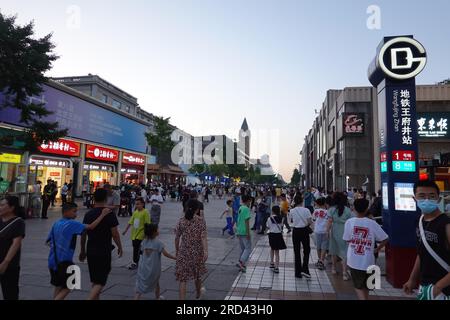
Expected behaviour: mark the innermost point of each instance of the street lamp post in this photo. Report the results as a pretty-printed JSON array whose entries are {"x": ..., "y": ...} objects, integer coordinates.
[{"x": 346, "y": 182}]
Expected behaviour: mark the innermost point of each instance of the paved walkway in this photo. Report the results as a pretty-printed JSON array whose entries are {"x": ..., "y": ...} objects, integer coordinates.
[
  {"x": 223, "y": 280},
  {"x": 259, "y": 282}
]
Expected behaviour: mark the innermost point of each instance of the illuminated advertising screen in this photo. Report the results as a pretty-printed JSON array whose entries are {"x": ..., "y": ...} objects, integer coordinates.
[
  {"x": 385, "y": 196},
  {"x": 433, "y": 125},
  {"x": 403, "y": 195}
]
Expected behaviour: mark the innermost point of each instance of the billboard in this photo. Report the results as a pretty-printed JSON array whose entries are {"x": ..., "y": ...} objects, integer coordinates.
[
  {"x": 353, "y": 123},
  {"x": 84, "y": 120}
]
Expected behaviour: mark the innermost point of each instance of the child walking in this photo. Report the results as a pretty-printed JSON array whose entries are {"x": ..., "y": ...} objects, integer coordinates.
[
  {"x": 228, "y": 212},
  {"x": 149, "y": 269},
  {"x": 320, "y": 231},
  {"x": 361, "y": 233},
  {"x": 275, "y": 226},
  {"x": 138, "y": 220}
]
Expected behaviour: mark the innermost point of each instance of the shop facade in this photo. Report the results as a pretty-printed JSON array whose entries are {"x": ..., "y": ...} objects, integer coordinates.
[
  {"x": 92, "y": 152},
  {"x": 341, "y": 149}
]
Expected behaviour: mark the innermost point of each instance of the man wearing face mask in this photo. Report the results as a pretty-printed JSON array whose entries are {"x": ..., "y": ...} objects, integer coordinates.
[{"x": 433, "y": 258}]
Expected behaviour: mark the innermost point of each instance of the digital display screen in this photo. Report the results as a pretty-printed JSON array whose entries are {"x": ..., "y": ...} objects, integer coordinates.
[
  {"x": 385, "y": 196},
  {"x": 403, "y": 194},
  {"x": 384, "y": 167},
  {"x": 404, "y": 166}
]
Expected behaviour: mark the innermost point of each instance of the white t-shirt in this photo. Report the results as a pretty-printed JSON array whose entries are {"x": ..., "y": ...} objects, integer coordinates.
[
  {"x": 229, "y": 212},
  {"x": 156, "y": 199},
  {"x": 143, "y": 194},
  {"x": 273, "y": 226},
  {"x": 299, "y": 216},
  {"x": 321, "y": 220},
  {"x": 362, "y": 234}
]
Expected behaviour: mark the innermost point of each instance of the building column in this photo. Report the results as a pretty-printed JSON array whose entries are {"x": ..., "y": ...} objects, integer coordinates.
[
  {"x": 145, "y": 170},
  {"x": 79, "y": 182},
  {"x": 119, "y": 168}
]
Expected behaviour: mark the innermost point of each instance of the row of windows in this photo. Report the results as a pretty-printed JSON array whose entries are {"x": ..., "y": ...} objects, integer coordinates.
[{"x": 115, "y": 103}]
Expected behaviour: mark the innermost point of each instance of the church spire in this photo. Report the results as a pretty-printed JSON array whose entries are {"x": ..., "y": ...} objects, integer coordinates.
[{"x": 244, "y": 125}]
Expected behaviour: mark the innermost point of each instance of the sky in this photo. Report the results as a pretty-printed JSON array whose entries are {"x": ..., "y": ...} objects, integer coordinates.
[{"x": 207, "y": 64}]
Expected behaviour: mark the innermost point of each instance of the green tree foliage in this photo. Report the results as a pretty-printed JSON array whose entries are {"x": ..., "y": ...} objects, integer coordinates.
[
  {"x": 23, "y": 62},
  {"x": 161, "y": 139}
]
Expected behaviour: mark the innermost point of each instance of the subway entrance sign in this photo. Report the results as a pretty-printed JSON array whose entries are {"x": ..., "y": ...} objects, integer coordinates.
[{"x": 398, "y": 61}]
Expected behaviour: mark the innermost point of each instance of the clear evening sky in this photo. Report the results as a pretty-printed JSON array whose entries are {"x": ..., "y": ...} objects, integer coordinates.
[{"x": 208, "y": 64}]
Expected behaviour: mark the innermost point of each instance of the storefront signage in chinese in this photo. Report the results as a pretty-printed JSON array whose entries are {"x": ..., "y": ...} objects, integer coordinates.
[
  {"x": 101, "y": 153},
  {"x": 433, "y": 125},
  {"x": 62, "y": 146},
  {"x": 10, "y": 158},
  {"x": 46, "y": 162},
  {"x": 132, "y": 158},
  {"x": 353, "y": 123}
]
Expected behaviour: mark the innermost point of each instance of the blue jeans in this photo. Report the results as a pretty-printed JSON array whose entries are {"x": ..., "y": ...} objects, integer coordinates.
[
  {"x": 246, "y": 249},
  {"x": 229, "y": 226}
]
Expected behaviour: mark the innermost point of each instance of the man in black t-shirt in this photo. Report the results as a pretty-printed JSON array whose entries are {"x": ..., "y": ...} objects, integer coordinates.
[
  {"x": 12, "y": 232},
  {"x": 434, "y": 276},
  {"x": 99, "y": 244}
]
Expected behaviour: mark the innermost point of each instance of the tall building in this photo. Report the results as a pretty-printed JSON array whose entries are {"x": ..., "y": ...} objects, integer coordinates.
[
  {"x": 342, "y": 147},
  {"x": 247, "y": 136}
]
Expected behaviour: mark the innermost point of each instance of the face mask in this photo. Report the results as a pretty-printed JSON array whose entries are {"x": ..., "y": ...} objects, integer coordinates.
[{"x": 427, "y": 206}]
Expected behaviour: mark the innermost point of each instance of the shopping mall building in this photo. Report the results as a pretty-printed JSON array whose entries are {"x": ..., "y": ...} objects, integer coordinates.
[
  {"x": 104, "y": 144},
  {"x": 341, "y": 149}
]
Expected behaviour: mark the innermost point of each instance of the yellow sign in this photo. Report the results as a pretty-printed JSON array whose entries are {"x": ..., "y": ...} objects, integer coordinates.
[{"x": 10, "y": 158}]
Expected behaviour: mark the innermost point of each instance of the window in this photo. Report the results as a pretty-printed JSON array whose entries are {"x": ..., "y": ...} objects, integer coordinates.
[
  {"x": 116, "y": 104},
  {"x": 127, "y": 108},
  {"x": 104, "y": 98}
]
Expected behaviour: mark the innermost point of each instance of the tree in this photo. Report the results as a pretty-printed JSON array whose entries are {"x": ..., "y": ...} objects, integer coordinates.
[
  {"x": 23, "y": 62},
  {"x": 295, "y": 180},
  {"x": 199, "y": 169},
  {"x": 218, "y": 170},
  {"x": 161, "y": 139}
]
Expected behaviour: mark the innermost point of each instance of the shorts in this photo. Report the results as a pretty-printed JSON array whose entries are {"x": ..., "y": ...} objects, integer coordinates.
[
  {"x": 321, "y": 241},
  {"x": 58, "y": 278},
  {"x": 99, "y": 268},
  {"x": 359, "y": 278}
]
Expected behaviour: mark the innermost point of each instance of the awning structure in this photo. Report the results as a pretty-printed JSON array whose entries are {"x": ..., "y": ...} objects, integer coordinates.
[{"x": 167, "y": 169}]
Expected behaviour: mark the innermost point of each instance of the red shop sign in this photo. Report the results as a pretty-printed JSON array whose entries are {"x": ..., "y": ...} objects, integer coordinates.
[
  {"x": 383, "y": 157},
  {"x": 132, "y": 158},
  {"x": 62, "y": 146},
  {"x": 100, "y": 153}
]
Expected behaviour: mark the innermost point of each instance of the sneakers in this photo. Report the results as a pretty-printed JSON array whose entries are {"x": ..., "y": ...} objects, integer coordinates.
[
  {"x": 346, "y": 276},
  {"x": 241, "y": 267},
  {"x": 272, "y": 265},
  {"x": 161, "y": 298},
  {"x": 202, "y": 293},
  {"x": 306, "y": 275},
  {"x": 132, "y": 266},
  {"x": 276, "y": 270},
  {"x": 319, "y": 265}
]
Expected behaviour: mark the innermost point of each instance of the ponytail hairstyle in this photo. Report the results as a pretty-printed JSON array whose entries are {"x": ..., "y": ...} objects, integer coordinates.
[
  {"x": 298, "y": 200},
  {"x": 340, "y": 201},
  {"x": 13, "y": 201},
  {"x": 192, "y": 206}
]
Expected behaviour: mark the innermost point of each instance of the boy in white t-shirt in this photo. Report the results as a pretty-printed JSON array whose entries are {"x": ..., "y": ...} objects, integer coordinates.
[
  {"x": 320, "y": 231},
  {"x": 361, "y": 233}
]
